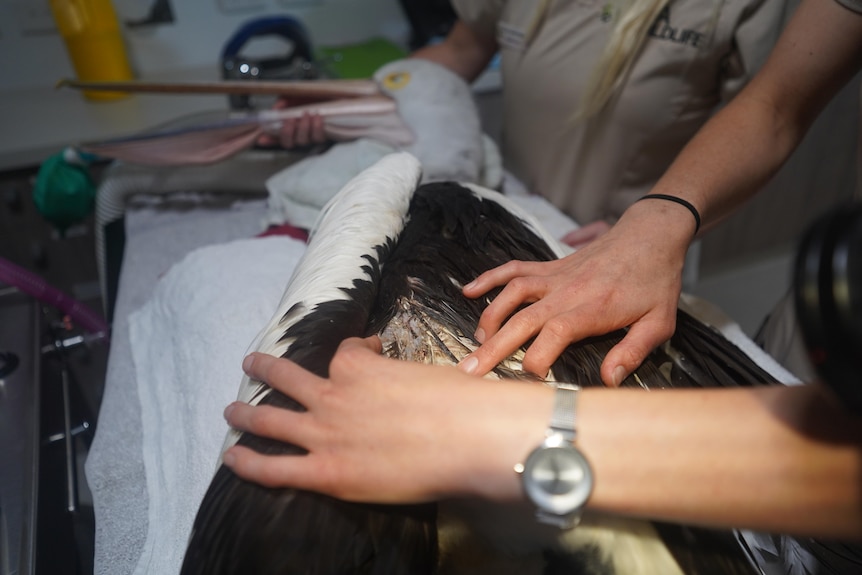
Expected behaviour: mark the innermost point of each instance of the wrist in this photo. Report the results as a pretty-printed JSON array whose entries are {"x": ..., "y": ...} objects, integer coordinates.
[
  {"x": 556, "y": 476},
  {"x": 660, "y": 224},
  {"x": 695, "y": 214},
  {"x": 506, "y": 425}
]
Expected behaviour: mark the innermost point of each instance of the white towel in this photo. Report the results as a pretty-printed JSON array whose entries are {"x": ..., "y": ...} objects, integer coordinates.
[
  {"x": 188, "y": 343},
  {"x": 298, "y": 192}
]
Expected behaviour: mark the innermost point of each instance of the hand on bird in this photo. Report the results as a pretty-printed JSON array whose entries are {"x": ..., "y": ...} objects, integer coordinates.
[
  {"x": 299, "y": 132},
  {"x": 376, "y": 417},
  {"x": 629, "y": 277}
]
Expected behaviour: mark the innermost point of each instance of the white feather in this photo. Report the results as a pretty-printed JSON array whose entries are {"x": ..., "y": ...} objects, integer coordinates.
[
  {"x": 368, "y": 211},
  {"x": 438, "y": 106}
]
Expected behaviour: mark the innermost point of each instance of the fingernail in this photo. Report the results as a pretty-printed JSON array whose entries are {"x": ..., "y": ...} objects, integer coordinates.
[
  {"x": 229, "y": 459},
  {"x": 469, "y": 364},
  {"x": 228, "y": 410},
  {"x": 470, "y": 285},
  {"x": 480, "y": 335},
  {"x": 247, "y": 363},
  {"x": 619, "y": 375}
]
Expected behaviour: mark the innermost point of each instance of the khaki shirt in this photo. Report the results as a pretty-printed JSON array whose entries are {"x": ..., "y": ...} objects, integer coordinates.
[{"x": 698, "y": 54}]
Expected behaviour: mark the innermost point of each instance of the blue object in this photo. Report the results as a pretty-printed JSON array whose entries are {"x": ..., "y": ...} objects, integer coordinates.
[
  {"x": 285, "y": 26},
  {"x": 295, "y": 64}
]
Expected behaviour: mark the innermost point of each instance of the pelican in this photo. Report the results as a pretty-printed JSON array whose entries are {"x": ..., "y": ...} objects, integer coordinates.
[
  {"x": 389, "y": 256},
  {"x": 412, "y": 105}
]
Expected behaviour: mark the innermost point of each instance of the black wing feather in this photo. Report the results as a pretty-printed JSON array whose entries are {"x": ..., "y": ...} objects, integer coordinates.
[
  {"x": 451, "y": 237},
  {"x": 243, "y": 528}
]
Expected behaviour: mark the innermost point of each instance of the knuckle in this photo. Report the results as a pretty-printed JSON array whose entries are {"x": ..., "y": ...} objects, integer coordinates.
[
  {"x": 670, "y": 324},
  {"x": 263, "y": 367},
  {"x": 268, "y": 475},
  {"x": 665, "y": 333},
  {"x": 493, "y": 315},
  {"x": 519, "y": 285},
  {"x": 262, "y": 420},
  {"x": 524, "y": 321},
  {"x": 501, "y": 273},
  {"x": 535, "y": 365},
  {"x": 558, "y": 328},
  {"x": 656, "y": 330},
  {"x": 515, "y": 266},
  {"x": 346, "y": 359},
  {"x": 631, "y": 354},
  {"x": 326, "y": 477},
  {"x": 487, "y": 355}
]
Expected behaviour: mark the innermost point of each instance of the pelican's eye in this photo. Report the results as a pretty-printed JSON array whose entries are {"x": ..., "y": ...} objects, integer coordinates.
[{"x": 396, "y": 80}]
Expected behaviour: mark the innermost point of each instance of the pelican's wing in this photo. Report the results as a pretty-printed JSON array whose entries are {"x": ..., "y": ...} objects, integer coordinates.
[
  {"x": 244, "y": 528},
  {"x": 391, "y": 259}
]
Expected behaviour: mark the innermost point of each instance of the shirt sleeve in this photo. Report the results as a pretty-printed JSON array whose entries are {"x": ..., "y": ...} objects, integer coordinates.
[
  {"x": 757, "y": 30},
  {"x": 480, "y": 15}
]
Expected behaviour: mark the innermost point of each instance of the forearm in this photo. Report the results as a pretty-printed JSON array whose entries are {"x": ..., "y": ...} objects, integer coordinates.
[
  {"x": 776, "y": 459},
  {"x": 734, "y": 155},
  {"x": 464, "y": 51},
  {"x": 725, "y": 164},
  {"x": 781, "y": 459},
  {"x": 731, "y": 158}
]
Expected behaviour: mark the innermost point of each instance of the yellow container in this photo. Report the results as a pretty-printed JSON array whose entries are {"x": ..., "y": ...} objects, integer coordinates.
[{"x": 93, "y": 40}]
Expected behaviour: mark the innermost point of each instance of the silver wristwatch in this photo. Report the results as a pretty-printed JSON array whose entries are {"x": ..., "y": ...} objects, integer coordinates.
[{"x": 556, "y": 476}]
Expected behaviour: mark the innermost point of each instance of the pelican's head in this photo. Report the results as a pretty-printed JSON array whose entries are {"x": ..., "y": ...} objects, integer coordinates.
[{"x": 413, "y": 105}]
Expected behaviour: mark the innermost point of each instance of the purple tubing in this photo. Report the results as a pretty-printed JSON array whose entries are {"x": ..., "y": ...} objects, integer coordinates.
[{"x": 35, "y": 286}]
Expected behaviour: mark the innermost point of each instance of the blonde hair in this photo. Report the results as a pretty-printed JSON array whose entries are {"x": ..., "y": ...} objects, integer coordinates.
[
  {"x": 633, "y": 22},
  {"x": 620, "y": 52}
]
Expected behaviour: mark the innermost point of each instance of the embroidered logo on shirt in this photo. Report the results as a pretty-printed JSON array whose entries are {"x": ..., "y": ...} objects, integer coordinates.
[
  {"x": 508, "y": 36},
  {"x": 608, "y": 13},
  {"x": 662, "y": 30}
]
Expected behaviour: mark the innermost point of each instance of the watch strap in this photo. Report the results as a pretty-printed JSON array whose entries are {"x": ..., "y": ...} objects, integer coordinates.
[
  {"x": 562, "y": 509},
  {"x": 563, "y": 420}
]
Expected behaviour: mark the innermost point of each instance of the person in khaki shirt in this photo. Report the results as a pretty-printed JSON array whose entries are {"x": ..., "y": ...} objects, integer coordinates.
[
  {"x": 796, "y": 440},
  {"x": 599, "y": 97}
]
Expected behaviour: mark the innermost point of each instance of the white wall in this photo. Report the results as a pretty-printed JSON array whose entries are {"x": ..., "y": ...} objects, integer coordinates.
[{"x": 32, "y": 53}]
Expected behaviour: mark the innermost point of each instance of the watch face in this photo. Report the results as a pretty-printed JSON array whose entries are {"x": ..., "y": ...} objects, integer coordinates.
[{"x": 558, "y": 480}]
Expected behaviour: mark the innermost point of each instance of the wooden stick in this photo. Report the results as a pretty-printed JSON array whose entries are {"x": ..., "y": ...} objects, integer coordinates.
[{"x": 323, "y": 89}]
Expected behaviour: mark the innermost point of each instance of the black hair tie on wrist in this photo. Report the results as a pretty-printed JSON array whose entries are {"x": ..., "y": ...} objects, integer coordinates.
[{"x": 679, "y": 201}]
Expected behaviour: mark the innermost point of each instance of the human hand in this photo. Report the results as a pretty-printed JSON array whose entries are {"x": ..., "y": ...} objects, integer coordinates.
[
  {"x": 630, "y": 276},
  {"x": 294, "y": 132},
  {"x": 585, "y": 234},
  {"x": 387, "y": 431}
]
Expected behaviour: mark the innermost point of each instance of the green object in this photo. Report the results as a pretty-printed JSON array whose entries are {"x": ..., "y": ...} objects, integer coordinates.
[
  {"x": 361, "y": 60},
  {"x": 64, "y": 192}
]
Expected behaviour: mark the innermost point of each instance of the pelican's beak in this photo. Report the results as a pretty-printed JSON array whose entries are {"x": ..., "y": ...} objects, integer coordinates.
[
  {"x": 351, "y": 109},
  {"x": 306, "y": 89}
]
